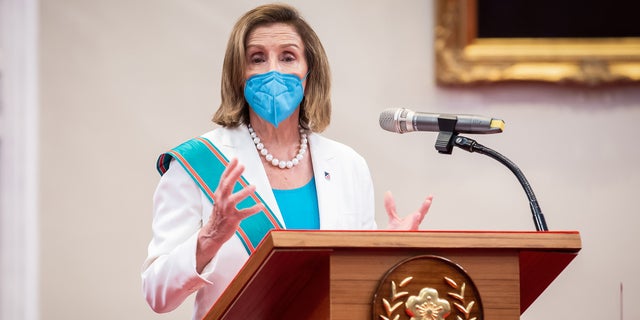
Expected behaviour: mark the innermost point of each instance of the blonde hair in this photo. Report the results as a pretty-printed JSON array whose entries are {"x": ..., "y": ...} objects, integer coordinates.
[{"x": 315, "y": 108}]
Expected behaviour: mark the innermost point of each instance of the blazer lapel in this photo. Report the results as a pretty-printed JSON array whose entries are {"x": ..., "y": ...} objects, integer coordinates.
[{"x": 323, "y": 160}]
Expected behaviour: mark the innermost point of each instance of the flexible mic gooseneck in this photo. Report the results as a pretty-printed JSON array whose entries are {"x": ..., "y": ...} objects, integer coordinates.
[{"x": 472, "y": 146}]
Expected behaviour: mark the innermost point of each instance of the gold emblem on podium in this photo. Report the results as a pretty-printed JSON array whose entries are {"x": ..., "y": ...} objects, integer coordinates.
[{"x": 427, "y": 288}]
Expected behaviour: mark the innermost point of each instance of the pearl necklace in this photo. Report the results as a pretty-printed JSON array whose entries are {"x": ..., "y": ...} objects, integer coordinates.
[{"x": 274, "y": 161}]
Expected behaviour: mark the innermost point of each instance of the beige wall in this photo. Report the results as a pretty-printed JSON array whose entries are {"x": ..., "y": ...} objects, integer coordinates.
[{"x": 122, "y": 81}]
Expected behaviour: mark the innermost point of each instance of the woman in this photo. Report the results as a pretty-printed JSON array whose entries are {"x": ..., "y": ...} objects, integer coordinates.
[{"x": 282, "y": 173}]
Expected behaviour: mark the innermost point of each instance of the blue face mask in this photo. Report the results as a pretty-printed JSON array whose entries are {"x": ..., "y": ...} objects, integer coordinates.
[{"x": 274, "y": 96}]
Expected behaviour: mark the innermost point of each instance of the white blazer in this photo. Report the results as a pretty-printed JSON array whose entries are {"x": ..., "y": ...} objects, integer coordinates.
[{"x": 345, "y": 201}]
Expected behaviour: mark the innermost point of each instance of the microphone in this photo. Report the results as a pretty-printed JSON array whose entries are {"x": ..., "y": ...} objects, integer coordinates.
[{"x": 403, "y": 120}]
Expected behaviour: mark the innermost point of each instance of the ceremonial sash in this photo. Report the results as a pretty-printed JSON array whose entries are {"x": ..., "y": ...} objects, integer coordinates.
[{"x": 205, "y": 163}]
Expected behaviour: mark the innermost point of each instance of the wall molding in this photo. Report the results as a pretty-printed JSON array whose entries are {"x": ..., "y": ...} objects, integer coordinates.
[{"x": 19, "y": 262}]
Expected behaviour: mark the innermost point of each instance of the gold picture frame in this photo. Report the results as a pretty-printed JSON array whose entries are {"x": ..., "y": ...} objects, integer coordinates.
[{"x": 462, "y": 59}]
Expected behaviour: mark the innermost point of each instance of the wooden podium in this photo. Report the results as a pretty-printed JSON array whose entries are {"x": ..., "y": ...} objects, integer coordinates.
[{"x": 335, "y": 274}]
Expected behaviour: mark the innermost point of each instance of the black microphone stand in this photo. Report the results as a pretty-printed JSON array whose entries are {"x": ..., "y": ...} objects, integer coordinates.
[{"x": 448, "y": 138}]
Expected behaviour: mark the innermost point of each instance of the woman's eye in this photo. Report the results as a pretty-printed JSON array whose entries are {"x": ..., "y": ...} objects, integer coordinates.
[
  {"x": 288, "y": 58},
  {"x": 256, "y": 58}
]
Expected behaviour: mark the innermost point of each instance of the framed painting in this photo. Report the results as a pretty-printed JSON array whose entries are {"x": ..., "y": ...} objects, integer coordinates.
[{"x": 582, "y": 42}]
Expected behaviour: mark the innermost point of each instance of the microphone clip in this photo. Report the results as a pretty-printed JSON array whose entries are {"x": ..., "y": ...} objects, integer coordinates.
[{"x": 447, "y": 134}]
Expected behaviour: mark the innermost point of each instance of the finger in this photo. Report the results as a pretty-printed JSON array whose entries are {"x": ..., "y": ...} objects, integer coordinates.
[
  {"x": 242, "y": 194},
  {"x": 247, "y": 212},
  {"x": 424, "y": 207},
  {"x": 229, "y": 178},
  {"x": 390, "y": 206},
  {"x": 234, "y": 174},
  {"x": 417, "y": 217},
  {"x": 230, "y": 166}
]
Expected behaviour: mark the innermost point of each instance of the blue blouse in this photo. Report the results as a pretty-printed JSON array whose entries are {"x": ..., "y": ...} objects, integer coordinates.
[{"x": 299, "y": 207}]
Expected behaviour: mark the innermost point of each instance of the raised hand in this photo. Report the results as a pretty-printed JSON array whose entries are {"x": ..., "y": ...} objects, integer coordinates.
[
  {"x": 410, "y": 222},
  {"x": 225, "y": 217}
]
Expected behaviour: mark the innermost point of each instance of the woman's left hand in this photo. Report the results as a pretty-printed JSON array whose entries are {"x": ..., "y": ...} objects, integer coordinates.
[{"x": 410, "y": 222}]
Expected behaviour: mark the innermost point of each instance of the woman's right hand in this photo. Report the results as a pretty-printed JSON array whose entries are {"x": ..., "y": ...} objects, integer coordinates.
[{"x": 225, "y": 217}]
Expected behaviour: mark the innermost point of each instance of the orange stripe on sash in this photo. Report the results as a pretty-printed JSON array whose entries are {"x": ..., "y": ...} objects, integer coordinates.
[{"x": 193, "y": 172}]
